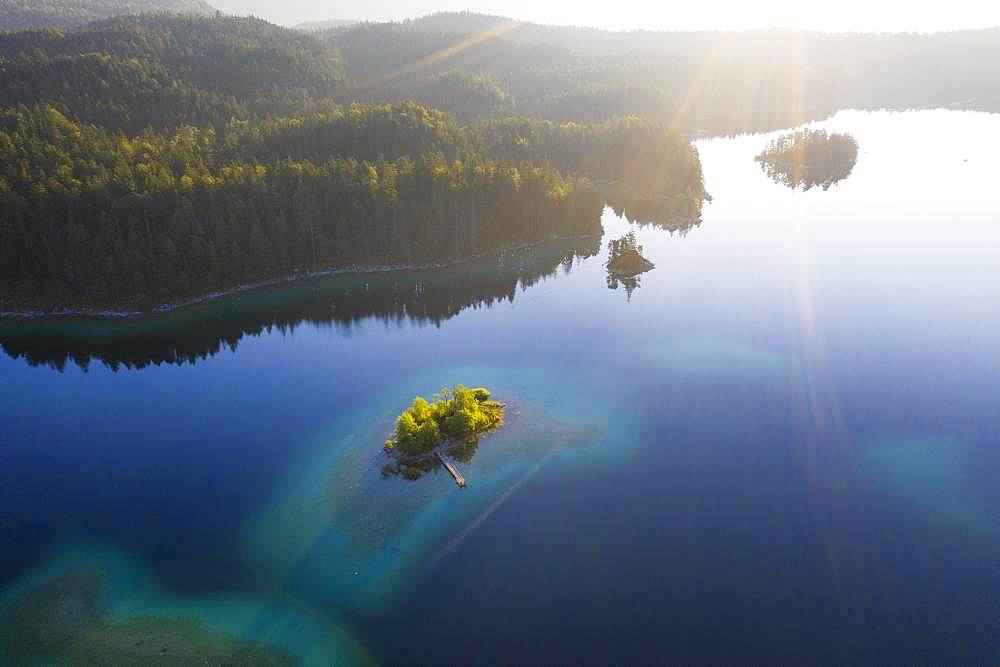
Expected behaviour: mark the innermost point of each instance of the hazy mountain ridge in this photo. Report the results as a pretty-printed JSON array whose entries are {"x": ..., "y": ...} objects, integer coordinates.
[
  {"x": 394, "y": 61},
  {"x": 597, "y": 41},
  {"x": 589, "y": 74}
]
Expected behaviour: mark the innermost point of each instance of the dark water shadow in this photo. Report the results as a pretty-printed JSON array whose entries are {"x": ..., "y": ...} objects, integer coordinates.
[{"x": 195, "y": 333}]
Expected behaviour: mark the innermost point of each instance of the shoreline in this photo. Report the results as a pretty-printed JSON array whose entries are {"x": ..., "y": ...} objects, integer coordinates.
[{"x": 111, "y": 314}]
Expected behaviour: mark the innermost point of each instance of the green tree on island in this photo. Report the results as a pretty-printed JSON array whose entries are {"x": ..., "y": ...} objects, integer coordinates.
[{"x": 452, "y": 415}]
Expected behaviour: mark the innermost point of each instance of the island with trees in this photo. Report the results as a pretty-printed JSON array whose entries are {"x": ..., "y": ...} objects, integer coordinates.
[
  {"x": 452, "y": 422},
  {"x": 626, "y": 263},
  {"x": 809, "y": 158}
]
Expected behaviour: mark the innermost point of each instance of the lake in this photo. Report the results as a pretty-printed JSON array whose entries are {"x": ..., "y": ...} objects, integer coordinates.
[{"x": 781, "y": 446}]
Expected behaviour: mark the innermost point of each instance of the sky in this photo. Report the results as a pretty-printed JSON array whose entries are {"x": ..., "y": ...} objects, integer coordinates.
[{"x": 862, "y": 15}]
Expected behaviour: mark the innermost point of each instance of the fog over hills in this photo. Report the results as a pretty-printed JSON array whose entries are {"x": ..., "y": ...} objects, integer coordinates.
[
  {"x": 586, "y": 74},
  {"x": 329, "y": 24},
  {"x": 847, "y": 15}
]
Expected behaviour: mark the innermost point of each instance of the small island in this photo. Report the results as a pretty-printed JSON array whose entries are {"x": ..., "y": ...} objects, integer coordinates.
[
  {"x": 625, "y": 263},
  {"x": 625, "y": 257},
  {"x": 451, "y": 422},
  {"x": 807, "y": 158}
]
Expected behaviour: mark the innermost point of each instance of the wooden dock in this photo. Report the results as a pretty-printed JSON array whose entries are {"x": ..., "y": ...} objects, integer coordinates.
[{"x": 452, "y": 469}]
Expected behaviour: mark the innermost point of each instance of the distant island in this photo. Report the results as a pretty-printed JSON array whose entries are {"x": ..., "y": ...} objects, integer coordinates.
[
  {"x": 626, "y": 263},
  {"x": 807, "y": 158},
  {"x": 452, "y": 421},
  {"x": 626, "y": 258}
]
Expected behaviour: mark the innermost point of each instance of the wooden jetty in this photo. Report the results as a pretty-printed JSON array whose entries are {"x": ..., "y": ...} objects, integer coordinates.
[{"x": 451, "y": 468}]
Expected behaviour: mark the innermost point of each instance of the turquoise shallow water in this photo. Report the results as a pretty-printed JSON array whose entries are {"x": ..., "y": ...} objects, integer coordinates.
[
  {"x": 382, "y": 533},
  {"x": 781, "y": 447},
  {"x": 132, "y": 591}
]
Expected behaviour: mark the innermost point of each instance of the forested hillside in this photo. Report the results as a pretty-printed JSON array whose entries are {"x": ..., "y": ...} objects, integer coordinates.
[
  {"x": 98, "y": 219},
  {"x": 26, "y": 14},
  {"x": 155, "y": 159}
]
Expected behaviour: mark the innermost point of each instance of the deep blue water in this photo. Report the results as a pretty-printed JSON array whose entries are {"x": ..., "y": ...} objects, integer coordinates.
[{"x": 781, "y": 447}]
